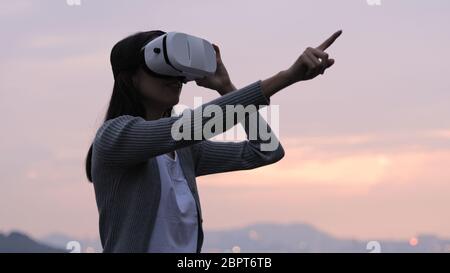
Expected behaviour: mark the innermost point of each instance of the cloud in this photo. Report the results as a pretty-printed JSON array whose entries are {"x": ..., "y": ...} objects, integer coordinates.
[
  {"x": 355, "y": 171},
  {"x": 355, "y": 162},
  {"x": 439, "y": 134},
  {"x": 390, "y": 194},
  {"x": 15, "y": 8}
]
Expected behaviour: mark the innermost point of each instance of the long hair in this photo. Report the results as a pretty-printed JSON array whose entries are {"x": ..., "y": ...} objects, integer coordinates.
[{"x": 126, "y": 59}]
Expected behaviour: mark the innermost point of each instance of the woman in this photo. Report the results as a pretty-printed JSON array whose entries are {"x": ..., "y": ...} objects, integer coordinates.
[{"x": 144, "y": 179}]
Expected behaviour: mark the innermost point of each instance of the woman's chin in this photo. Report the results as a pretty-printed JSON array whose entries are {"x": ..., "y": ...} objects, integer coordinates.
[
  {"x": 175, "y": 102},
  {"x": 174, "y": 90},
  {"x": 174, "y": 94},
  {"x": 172, "y": 101}
]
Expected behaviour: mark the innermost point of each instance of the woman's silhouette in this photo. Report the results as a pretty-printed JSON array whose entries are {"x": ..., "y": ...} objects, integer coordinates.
[{"x": 144, "y": 179}]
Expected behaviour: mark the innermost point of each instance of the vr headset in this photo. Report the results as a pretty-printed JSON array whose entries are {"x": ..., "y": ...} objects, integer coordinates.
[{"x": 177, "y": 54}]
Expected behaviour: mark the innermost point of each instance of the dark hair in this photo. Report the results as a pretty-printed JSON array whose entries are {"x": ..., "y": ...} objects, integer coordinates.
[{"x": 126, "y": 58}]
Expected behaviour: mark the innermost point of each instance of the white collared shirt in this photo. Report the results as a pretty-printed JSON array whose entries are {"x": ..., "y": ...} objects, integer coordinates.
[{"x": 176, "y": 224}]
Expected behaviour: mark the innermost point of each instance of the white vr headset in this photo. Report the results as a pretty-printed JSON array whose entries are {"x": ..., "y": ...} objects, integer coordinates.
[{"x": 178, "y": 54}]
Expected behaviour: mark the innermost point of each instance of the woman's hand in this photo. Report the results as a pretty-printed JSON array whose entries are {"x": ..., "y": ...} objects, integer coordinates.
[
  {"x": 310, "y": 64},
  {"x": 220, "y": 81},
  {"x": 313, "y": 61}
]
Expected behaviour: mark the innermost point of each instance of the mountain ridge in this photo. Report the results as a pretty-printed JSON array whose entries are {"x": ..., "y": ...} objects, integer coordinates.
[{"x": 258, "y": 237}]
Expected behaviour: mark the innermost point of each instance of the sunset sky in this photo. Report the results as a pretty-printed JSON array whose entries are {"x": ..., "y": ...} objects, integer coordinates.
[{"x": 367, "y": 144}]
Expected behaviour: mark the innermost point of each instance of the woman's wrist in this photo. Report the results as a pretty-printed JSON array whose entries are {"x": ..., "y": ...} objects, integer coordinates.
[
  {"x": 226, "y": 88},
  {"x": 276, "y": 83}
]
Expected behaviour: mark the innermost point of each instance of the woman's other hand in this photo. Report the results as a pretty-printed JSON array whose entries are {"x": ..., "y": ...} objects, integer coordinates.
[{"x": 220, "y": 81}]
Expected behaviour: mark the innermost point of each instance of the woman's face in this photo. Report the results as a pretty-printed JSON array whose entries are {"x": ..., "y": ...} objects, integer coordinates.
[{"x": 164, "y": 92}]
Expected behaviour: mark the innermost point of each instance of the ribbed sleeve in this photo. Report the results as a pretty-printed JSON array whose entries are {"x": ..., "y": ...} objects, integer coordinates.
[
  {"x": 217, "y": 157},
  {"x": 128, "y": 140}
]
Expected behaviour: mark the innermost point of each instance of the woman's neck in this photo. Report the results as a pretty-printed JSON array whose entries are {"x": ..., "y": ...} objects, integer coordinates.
[
  {"x": 153, "y": 115},
  {"x": 153, "y": 112}
]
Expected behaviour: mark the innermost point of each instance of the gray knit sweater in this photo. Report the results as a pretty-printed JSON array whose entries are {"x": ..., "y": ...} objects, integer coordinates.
[{"x": 126, "y": 177}]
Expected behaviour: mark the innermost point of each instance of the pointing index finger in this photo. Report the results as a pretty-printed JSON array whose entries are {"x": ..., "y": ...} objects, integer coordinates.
[{"x": 330, "y": 40}]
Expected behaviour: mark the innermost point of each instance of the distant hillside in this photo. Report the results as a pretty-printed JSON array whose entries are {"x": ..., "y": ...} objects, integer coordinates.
[
  {"x": 306, "y": 238},
  {"x": 17, "y": 242},
  {"x": 278, "y": 238},
  {"x": 270, "y": 237},
  {"x": 267, "y": 237}
]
